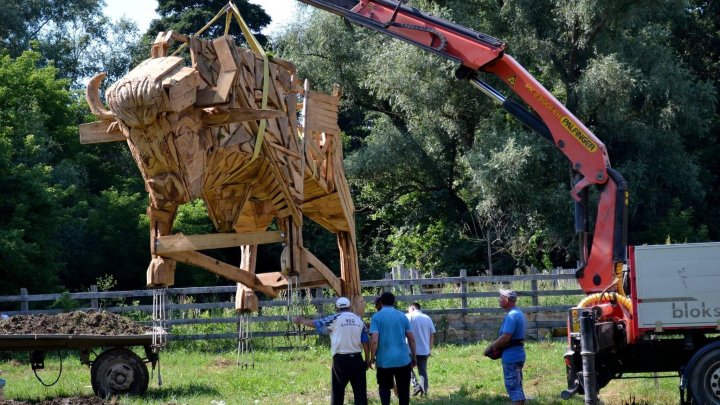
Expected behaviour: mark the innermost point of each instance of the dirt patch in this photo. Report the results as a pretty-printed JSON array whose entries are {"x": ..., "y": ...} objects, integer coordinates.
[
  {"x": 71, "y": 323},
  {"x": 64, "y": 401}
]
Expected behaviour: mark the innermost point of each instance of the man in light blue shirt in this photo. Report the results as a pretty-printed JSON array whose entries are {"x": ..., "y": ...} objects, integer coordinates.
[
  {"x": 392, "y": 347},
  {"x": 424, "y": 331},
  {"x": 510, "y": 342}
]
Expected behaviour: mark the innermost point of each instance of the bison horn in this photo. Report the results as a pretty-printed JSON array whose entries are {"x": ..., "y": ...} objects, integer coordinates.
[{"x": 93, "y": 98}]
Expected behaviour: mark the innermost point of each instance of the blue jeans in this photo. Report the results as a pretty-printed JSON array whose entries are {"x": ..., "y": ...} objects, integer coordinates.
[{"x": 512, "y": 372}]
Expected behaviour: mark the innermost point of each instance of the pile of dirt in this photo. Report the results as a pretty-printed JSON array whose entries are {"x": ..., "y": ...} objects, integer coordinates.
[
  {"x": 71, "y": 323},
  {"x": 64, "y": 401}
]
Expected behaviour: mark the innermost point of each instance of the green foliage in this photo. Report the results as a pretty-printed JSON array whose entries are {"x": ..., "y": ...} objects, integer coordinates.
[
  {"x": 678, "y": 227},
  {"x": 65, "y": 302},
  {"x": 189, "y": 16},
  {"x": 34, "y": 116}
]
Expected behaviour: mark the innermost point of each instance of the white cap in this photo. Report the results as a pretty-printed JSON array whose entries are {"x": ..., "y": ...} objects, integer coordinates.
[
  {"x": 342, "y": 302},
  {"x": 510, "y": 294}
]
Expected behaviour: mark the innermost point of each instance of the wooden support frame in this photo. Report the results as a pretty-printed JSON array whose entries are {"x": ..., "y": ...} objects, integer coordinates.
[
  {"x": 165, "y": 245},
  {"x": 334, "y": 282},
  {"x": 222, "y": 269}
]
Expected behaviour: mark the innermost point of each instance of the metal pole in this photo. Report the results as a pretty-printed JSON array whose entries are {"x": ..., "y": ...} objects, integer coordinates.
[{"x": 587, "y": 350}]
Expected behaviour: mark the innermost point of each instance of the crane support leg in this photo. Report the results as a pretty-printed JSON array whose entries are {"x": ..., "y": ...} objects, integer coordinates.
[{"x": 587, "y": 347}]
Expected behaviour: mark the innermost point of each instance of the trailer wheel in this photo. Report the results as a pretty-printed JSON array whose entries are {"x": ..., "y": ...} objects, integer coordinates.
[
  {"x": 705, "y": 379},
  {"x": 118, "y": 372}
]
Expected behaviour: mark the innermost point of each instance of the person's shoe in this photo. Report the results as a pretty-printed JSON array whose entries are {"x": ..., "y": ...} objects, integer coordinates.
[{"x": 419, "y": 390}]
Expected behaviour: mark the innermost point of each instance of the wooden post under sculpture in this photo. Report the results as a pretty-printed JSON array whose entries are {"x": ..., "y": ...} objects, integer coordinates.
[{"x": 193, "y": 132}]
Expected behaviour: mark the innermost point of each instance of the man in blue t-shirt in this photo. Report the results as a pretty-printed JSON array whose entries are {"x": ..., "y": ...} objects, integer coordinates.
[
  {"x": 510, "y": 342},
  {"x": 392, "y": 347}
]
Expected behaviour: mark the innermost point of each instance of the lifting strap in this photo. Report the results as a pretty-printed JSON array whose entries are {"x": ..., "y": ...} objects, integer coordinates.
[{"x": 231, "y": 10}]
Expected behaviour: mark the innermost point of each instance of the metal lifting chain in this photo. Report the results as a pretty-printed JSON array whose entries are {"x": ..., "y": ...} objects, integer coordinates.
[
  {"x": 293, "y": 305},
  {"x": 246, "y": 358},
  {"x": 159, "y": 319}
]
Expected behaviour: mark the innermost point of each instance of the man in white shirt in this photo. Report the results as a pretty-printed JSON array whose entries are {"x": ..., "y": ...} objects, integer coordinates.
[
  {"x": 348, "y": 339},
  {"x": 424, "y": 330}
]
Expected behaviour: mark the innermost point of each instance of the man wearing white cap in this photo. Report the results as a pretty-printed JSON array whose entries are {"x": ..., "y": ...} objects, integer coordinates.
[
  {"x": 510, "y": 345},
  {"x": 348, "y": 338}
]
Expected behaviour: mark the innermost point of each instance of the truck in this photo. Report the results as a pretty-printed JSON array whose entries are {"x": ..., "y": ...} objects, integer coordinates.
[{"x": 647, "y": 308}]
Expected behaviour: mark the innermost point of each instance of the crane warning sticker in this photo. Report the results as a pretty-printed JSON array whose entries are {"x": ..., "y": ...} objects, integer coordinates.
[
  {"x": 511, "y": 80},
  {"x": 578, "y": 134}
]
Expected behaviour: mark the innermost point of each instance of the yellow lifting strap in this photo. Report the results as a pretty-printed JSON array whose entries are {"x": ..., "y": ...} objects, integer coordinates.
[{"x": 231, "y": 10}]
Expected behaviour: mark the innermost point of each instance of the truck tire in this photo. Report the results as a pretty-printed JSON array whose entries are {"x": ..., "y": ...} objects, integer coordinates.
[
  {"x": 705, "y": 379},
  {"x": 119, "y": 371}
]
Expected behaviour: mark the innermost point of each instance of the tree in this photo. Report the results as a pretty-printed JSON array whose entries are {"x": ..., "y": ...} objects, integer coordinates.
[
  {"x": 34, "y": 116},
  {"x": 428, "y": 149},
  {"x": 68, "y": 34},
  {"x": 189, "y": 16}
]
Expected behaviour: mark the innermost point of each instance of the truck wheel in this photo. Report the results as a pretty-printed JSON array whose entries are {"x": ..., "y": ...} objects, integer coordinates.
[
  {"x": 705, "y": 379},
  {"x": 119, "y": 372}
]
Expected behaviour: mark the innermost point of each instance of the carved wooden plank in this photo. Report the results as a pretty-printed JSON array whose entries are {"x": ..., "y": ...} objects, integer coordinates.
[
  {"x": 325, "y": 98},
  {"x": 321, "y": 124},
  {"x": 278, "y": 281},
  {"x": 318, "y": 109},
  {"x": 180, "y": 242},
  {"x": 231, "y": 273},
  {"x": 229, "y": 115},
  {"x": 97, "y": 132}
]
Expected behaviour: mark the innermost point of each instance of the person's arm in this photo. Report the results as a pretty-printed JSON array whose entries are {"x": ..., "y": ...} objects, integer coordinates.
[
  {"x": 366, "y": 349},
  {"x": 304, "y": 321},
  {"x": 365, "y": 340},
  {"x": 411, "y": 342},
  {"x": 374, "y": 339},
  {"x": 499, "y": 343}
]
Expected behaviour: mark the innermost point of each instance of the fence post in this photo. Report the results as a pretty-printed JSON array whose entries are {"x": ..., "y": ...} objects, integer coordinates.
[
  {"x": 534, "y": 287},
  {"x": 24, "y": 306},
  {"x": 464, "y": 288},
  {"x": 94, "y": 302},
  {"x": 388, "y": 288}
]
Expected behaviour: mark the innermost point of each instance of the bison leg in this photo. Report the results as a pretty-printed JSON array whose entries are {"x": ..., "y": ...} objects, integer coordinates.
[
  {"x": 245, "y": 298},
  {"x": 350, "y": 271},
  {"x": 293, "y": 261},
  {"x": 161, "y": 271}
]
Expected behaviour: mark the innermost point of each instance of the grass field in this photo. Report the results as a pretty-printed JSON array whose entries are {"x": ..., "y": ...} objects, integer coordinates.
[{"x": 458, "y": 375}]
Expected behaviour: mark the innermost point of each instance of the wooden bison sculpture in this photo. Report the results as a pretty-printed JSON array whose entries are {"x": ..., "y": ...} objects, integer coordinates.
[{"x": 200, "y": 131}]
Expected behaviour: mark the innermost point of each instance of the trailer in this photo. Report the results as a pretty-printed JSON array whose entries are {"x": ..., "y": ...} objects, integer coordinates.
[{"x": 117, "y": 370}]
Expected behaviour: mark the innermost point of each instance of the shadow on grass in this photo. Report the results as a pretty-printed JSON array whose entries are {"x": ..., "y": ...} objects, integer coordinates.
[
  {"x": 188, "y": 391},
  {"x": 462, "y": 396}
]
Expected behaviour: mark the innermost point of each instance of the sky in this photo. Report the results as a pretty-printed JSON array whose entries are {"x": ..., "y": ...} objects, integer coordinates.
[{"x": 143, "y": 11}]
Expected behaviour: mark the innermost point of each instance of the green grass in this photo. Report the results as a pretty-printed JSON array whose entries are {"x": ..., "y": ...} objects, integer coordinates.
[{"x": 458, "y": 375}]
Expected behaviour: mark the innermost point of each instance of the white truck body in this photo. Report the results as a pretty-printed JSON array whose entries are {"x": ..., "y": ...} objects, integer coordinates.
[{"x": 678, "y": 286}]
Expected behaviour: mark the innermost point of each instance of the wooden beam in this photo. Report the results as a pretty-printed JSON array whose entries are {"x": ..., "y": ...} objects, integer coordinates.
[
  {"x": 97, "y": 132},
  {"x": 278, "y": 281},
  {"x": 217, "y": 116},
  {"x": 325, "y": 271},
  {"x": 182, "y": 243},
  {"x": 231, "y": 273}
]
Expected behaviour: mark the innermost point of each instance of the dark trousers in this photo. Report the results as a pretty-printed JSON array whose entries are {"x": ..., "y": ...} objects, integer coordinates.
[
  {"x": 397, "y": 376},
  {"x": 421, "y": 382},
  {"x": 348, "y": 368}
]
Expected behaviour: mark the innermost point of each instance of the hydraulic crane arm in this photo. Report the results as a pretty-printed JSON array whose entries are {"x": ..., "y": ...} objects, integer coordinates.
[{"x": 601, "y": 264}]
